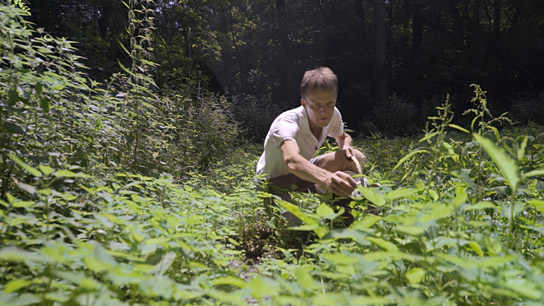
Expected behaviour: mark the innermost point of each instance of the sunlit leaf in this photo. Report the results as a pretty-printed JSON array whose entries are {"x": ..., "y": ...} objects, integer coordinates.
[
  {"x": 229, "y": 280},
  {"x": 20, "y": 300},
  {"x": 384, "y": 244},
  {"x": 538, "y": 204},
  {"x": 68, "y": 173},
  {"x": 455, "y": 126},
  {"x": 16, "y": 254},
  {"x": 261, "y": 287},
  {"x": 35, "y": 172},
  {"x": 372, "y": 196},
  {"x": 480, "y": 205},
  {"x": 415, "y": 275},
  {"x": 506, "y": 164},
  {"x": 538, "y": 172},
  {"x": 400, "y": 193},
  {"x": 305, "y": 279},
  {"x": 16, "y": 284},
  {"x": 366, "y": 222},
  {"x": 411, "y": 230},
  {"x": 323, "y": 210},
  {"x": 476, "y": 248},
  {"x": 408, "y": 156}
]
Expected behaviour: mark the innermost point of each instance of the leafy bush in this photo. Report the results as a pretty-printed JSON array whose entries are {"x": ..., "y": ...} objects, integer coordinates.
[
  {"x": 52, "y": 114},
  {"x": 395, "y": 117},
  {"x": 529, "y": 109},
  {"x": 255, "y": 115}
]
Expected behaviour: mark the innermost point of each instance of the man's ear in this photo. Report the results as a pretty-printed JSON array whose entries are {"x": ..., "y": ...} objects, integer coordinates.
[{"x": 302, "y": 102}]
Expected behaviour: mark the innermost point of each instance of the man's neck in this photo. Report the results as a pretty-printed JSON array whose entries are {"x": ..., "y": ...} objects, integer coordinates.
[{"x": 316, "y": 131}]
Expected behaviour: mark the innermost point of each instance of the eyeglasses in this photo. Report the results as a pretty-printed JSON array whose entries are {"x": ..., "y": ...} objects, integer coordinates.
[{"x": 318, "y": 106}]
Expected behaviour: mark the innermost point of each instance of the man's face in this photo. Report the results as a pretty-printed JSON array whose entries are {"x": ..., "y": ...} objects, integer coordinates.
[{"x": 319, "y": 105}]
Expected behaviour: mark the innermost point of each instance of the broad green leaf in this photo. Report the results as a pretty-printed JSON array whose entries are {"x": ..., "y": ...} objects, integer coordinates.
[
  {"x": 228, "y": 298},
  {"x": 28, "y": 188},
  {"x": 476, "y": 248},
  {"x": 461, "y": 195},
  {"x": 35, "y": 172},
  {"x": 384, "y": 244},
  {"x": 506, "y": 164},
  {"x": 480, "y": 205},
  {"x": 408, "y": 156},
  {"x": 323, "y": 210},
  {"x": 538, "y": 204},
  {"x": 305, "y": 279},
  {"x": 261, "y": 287},
  {"x": 366, "y": 222},
  {"x": 411, "y": 230},
  {"x": 415, "y": 275},
  {"x": 326, "y": 299},
  {"x": 437, "y": 211},
  {"x": 19, "y": 300},
  {"x": 522, "y": 148},
  {"x": 375, "y": 300},
  {"x": 461, "y": 262},
  {"x": 348, "y": 233},
  {"x": 525, "y": 288},
  {"x": 22, "y": 204},
  {"x": 309, "y": 220},
  {"x": 165, "y": 263},
  {"x": 16, "y": 284},
  {"x": 46, "y": 170},
  {"x": 340, "y": 258},
  {"x": 295, "y": 210},
  {"x": 496, "y": 261},
  {"x": 537, "y": 172},
  {"x": 372, "y": 196},
  {"x": 400, "y": 193},
  {"x": 68, "y": 173},
  {"x": 389, "y": 256},
  {"x": 229, "y": 280},
  {"x": 16, "y": 254}
]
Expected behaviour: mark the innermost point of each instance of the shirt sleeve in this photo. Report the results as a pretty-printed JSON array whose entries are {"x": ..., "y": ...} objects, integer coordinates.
[
  {"x": 285, "y": 128},
  {"x": 336, "y": 128}
]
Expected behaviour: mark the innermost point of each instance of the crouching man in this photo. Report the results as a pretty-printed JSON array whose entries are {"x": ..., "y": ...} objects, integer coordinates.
[{"x": 288, "y": 160}]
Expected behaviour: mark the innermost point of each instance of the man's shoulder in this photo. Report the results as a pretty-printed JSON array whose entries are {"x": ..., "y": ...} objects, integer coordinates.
[
  {"x": 292, "y": 114},
  {"x": 294, "y": 111}
]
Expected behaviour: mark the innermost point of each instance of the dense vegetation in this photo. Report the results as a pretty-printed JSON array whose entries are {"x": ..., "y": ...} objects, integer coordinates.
[{"x": 123, "y": 193}]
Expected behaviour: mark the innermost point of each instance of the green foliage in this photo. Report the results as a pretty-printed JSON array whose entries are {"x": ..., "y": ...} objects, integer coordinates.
[
  {"x": 395, "y": 117},
  {"x": 53, "y": 114}
]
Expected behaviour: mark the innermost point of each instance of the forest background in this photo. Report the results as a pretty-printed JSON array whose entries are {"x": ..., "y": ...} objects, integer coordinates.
[{"x": 396, "y": 60}]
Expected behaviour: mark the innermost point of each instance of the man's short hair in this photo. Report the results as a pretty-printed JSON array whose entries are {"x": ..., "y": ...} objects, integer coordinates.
[{"x": 322, "y": 77}]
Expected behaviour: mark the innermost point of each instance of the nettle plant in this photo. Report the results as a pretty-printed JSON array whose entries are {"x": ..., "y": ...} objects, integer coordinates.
[{"x": 437, "y": 240}]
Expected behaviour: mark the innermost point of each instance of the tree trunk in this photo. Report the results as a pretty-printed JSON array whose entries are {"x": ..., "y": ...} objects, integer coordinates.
[
  {"x": 495, "y": 38},
  {"x": 282, "y": 92},
  {"x": 417, "y": 29},
  {"x": 380, "y": 75}
]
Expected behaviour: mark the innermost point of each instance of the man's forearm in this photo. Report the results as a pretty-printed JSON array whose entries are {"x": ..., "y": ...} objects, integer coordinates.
[
  {"x": 307, "y": 171},
  {"x": 344, "y": 140}
]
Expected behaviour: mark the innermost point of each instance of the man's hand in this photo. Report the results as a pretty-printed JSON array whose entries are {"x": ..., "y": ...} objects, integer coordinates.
[
  {"x": 347, "y": 150},
  {"x": 341, "y": 184}
]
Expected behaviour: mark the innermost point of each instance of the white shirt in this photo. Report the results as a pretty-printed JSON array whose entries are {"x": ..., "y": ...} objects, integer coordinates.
[{"x": 293, "y": 125}]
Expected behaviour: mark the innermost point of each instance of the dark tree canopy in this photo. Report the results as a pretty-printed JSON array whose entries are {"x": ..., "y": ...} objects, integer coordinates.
[{"x": 406, "y": 52}]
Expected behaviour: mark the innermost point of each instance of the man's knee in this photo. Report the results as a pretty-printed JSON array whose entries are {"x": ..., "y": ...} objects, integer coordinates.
[
  {"x": 360, "y": 157},
  {"x": 349, "y": 164}
]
